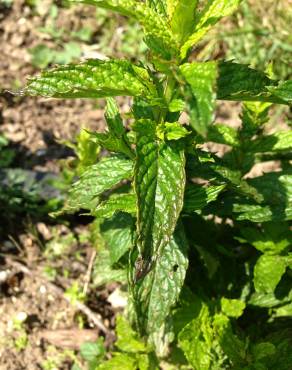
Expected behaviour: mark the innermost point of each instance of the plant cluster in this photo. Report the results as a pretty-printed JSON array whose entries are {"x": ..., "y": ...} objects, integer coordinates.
[{"x": 205, "y": 246}]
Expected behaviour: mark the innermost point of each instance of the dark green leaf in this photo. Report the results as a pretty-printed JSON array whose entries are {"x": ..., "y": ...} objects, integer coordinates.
[
  {"x": 197, "y": 196},
  {"x": 279, "y": 141},
  {"x": 159, "y": 185},
  {"x": 239, "y": 82},
  {"x": 159, "y": 290}
]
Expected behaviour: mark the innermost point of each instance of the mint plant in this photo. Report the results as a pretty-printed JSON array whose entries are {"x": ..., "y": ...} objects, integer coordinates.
[{"x": 204, "y": 247}]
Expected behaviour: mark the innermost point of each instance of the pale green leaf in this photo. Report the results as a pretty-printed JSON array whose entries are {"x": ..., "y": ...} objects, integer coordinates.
[
  {"x": 113, "y": 118},
  {"x": 208, "y": 17},
  {"x": 198, "y": 196},
  {"x": 268, "y": 272},
  {"x": 171, "y": 131},
  {"x": 157, "y": 31},
  {"x": 269, "y": 300},
  {"x": 120, "y": 361},
  {"x": 92, "y": 351},
  {"x": 128, "y": 340},
  {"x": 159, "y": 184},
  {"x": 284, "y": 311},
  {"x": 117, "y": 233},
  {"x": 232, "y": 307},
  {"x": 196, "y": 340},
  {"x": 231, "y": 345},
  {"x": 92, "y": 79},
  {"x": 201, "y": 78},
  {"x": 159, "y": 290},
  {"x": 116, "y": 203},
  {"x": 183, "y": 18},
  {"x": 103, "y": 273},
  {"x": 257, "y": 213},
  {"x": 176, "y": 105},
  {"x": 98, "y": 178}
]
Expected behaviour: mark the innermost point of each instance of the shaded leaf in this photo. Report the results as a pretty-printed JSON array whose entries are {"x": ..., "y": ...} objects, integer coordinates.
[
  {"x": 223, "y": 134},
  {"x": 95, "y": 180},
  {"x": 279, "y": 141},
  {"x": 103, "y": 272},
  {"x": 197, "y": 196},
  {"x": 117, "y": 232}
]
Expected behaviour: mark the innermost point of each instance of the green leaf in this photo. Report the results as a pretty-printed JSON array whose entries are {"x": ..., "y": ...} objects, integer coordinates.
[
  {"x": 103, "y": 273},
  {"x": 92, "y": 351},
  {"x": 272, "y": 238},
  {"x": 223, "y": 134},
  {"x": 208, "y": 17},
  {"x": 92, "y": 79},
  {"x": 158, "y": 35},
  {"x": 230, "y": 344},
  {"x": 176, "y": 105},
  {"x": 197, "y": 196},
  {"x": 202, "y": 79},
  {"x": 116, "y": 203},
  {"x": 283, "y": 91},
  {"x": 171, "y": 131},
  {"x": 268, "y": 300},
  {"x": 158, "y": 5},
  {"x": 262, "y": 350},
  {"x": 242, "y": 83},
  {"x": 279, "y": 141},
  {"x": 159, "y": 185},
  {"x": 183, "y": 18},
  {"x": 232, "y": 307},
  {"x": 120, "y": 361},
  {"x": 117, "y": 233},
  {"x": 196, "y": 340},
  {"x": 113, "y": 118},
  {"x": 159, "y": 290},
  {"x": 98, "y": 178},
  {"x": 128, "y": 340},
  {"x": 268, "y": 272}
]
